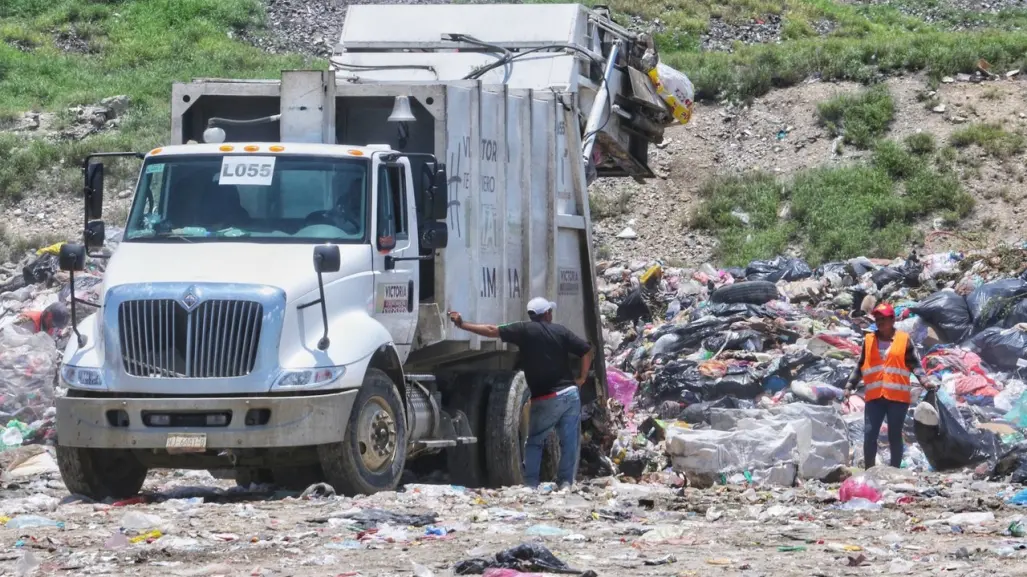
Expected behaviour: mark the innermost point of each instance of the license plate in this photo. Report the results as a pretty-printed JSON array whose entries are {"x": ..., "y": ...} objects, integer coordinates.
[{"x": 186, "y": 443}]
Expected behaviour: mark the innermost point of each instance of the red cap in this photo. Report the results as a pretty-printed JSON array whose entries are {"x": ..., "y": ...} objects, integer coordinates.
[{"x": 884, "y": 310}]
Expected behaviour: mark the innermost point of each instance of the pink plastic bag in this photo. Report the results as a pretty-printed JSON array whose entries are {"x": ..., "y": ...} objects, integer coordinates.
[
  {"x": 621, "y": 386},
  {"x": 859, "y": 487},
  {"x": 494, "y": 572}
]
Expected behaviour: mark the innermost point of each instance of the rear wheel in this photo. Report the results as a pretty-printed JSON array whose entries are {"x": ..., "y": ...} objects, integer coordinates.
[
  {"x": 371, "y": 456},
  {"x": 508, "y": 425},
  {"x": 507, "y": 429},
  {"x": 100, "y": 473}
]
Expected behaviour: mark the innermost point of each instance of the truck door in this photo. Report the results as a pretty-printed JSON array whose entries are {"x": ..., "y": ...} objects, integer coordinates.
[{"x": 396, "y": 289}]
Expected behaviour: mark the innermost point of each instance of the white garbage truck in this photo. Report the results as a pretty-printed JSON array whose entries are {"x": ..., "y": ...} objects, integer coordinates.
[{"x": 277, "y": 303}]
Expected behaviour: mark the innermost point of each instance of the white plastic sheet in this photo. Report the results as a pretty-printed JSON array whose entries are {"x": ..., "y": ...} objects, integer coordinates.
[{"x": 811, "y": 437}]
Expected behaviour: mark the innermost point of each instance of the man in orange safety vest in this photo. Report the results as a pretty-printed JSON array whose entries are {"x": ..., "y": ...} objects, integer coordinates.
[{"x": 888, "y": 359}]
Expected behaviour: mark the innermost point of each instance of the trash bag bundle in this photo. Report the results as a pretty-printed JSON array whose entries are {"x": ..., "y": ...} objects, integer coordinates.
[
  {"x": 945, "y": 442},
  {"x": 826, "y": 372},
  {"x": 993, "y": 304},
  {"x": 947, "y": 313},
  {"x": 906, "y": 274},
  {"x": 778, "y": 269},
  {"x": 1000, "y": 348}
]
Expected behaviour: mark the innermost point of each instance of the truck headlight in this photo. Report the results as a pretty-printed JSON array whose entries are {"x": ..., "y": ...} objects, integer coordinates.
[
  {"x": 82, "y": 377},
  {"x": 318, "y": 377}
]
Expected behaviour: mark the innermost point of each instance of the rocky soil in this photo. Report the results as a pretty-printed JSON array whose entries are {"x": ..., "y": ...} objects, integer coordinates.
[{"x": 188, "y": 525}]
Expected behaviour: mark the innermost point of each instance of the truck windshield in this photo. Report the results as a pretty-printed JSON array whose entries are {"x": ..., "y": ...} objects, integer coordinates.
[{"x": 251, "y": 197}]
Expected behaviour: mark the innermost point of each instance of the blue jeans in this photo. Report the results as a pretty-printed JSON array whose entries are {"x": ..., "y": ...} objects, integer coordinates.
[
  {"x": 563, "y": 413},
  {"x": 877, "y": 411}
]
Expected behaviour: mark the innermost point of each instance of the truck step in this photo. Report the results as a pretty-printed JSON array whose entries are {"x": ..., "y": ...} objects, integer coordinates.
[
  {"x": 440, "y": 444},
  {"x": 420, "y": 378}
]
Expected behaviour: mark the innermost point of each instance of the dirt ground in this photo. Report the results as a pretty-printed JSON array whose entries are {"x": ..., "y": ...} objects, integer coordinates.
[{"x": 603, "y": 525}]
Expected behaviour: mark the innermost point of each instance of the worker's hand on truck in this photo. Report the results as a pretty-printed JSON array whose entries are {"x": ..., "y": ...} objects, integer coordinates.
[{"x": 456, "y": 318}]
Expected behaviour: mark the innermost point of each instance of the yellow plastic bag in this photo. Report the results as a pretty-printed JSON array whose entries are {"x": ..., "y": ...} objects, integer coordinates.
[
  {"x": 54, "y": 249},
  {"x": 675, "y": 89}
]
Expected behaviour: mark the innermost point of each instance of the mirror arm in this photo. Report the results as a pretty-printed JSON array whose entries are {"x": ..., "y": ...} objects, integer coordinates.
[
  {"x": 74, "y": 321},
  {"x": 390, "y": 261}
]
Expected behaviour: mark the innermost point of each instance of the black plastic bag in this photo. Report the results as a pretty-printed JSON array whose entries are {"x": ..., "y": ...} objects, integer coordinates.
[
  {"x": 825, "y": 372},
  {"x": 948, "y": 445},
  {"x": 525, "y": 557},
  {"x": 947, "y": 313},
  {"x": 1000, "y": 348},
  {"x": 743, "y": 310},
  {"x": 40, "y": 270},
  {"x": 906, "y": 274},
  {"x": 735, "y": 341},
  {"x": 371, "y": 518},
  {"x": 992, "y": 302},
  {"x": 736, "y": 272},
  {"x": 691, "y": 335},
  {"x": 632, "y": 308},
  {"x": 777, "y": 269},
  {"x": 739, "y": 382},
  {"x": 699, "y": 413}
]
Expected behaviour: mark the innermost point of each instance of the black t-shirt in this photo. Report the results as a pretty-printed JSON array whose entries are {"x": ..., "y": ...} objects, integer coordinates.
[{"x": 545, "y": 349}]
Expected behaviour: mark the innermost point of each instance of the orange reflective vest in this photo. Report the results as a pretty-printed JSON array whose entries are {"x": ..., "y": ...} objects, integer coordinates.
[{"x": 888, "y": 377}]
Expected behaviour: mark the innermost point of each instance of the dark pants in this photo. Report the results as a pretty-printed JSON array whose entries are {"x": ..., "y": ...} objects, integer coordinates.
[{"x": 876, "y": 411}]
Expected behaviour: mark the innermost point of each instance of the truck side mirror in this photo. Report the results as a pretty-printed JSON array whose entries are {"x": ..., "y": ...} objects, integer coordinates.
[
  {"x": 94, "y": 191},
  {"x": 440, "y": 193},
  {"x": 435, "y": 235},
  {"x": 327, "y": 258},
  {"x": 72, "y": 257},
  {"x": 96, "y": 234}
]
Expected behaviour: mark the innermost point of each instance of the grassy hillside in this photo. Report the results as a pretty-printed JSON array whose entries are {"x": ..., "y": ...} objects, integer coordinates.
[
  {"x": 55, "y": 54},
  {"x": 861, "y": 41}
]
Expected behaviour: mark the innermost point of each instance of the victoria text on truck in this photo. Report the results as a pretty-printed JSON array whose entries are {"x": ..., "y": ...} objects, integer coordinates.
[{"x": 276, "y": 306}]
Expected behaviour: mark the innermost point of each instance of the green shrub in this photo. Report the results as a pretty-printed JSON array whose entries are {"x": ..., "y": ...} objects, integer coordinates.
[
  {"x": 921, "y": 143},
  {"x": 862, "y": 118},
  {"x": 995, "y": 140}
]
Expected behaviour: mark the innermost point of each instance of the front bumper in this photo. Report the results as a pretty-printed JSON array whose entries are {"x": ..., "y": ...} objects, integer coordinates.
[{"x": 291, "y": 421}]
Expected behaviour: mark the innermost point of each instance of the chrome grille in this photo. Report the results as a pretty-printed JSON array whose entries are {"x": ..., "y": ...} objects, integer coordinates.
[{"x": 217, "y": 339}]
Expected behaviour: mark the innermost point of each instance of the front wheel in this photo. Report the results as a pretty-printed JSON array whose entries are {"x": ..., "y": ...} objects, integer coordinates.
[
  {"x": 371, "y": 456},
  {"x": 100, "y": 473}
]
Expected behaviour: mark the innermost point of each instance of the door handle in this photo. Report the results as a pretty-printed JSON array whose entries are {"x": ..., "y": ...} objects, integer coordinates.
[{"x": 410, "y": 296}]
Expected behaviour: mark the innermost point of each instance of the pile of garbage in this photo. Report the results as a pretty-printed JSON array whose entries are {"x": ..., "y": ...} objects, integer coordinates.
[
  {"x": 35, "y": 324},
  {"x": 741, "y": 373}
]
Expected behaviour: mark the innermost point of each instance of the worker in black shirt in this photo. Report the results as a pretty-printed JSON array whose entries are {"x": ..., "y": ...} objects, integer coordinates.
[{"x": 545, "y": 349}]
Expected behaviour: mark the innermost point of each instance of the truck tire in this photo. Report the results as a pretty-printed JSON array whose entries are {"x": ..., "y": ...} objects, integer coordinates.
[
  {"x": 371, "y": 456},
  {"x": 506, "y": 429},
  {"x": 466, "y": 463},
  {"x": 755, "y": 292},
  {"x": 100, "y": 473}
]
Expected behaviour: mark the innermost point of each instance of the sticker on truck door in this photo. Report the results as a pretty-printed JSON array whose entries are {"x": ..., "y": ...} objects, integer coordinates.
[
  {"x": 392, "y": 298},
  {"x": 247, "y": 170},
  {"x": 570, "y": 282}
]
